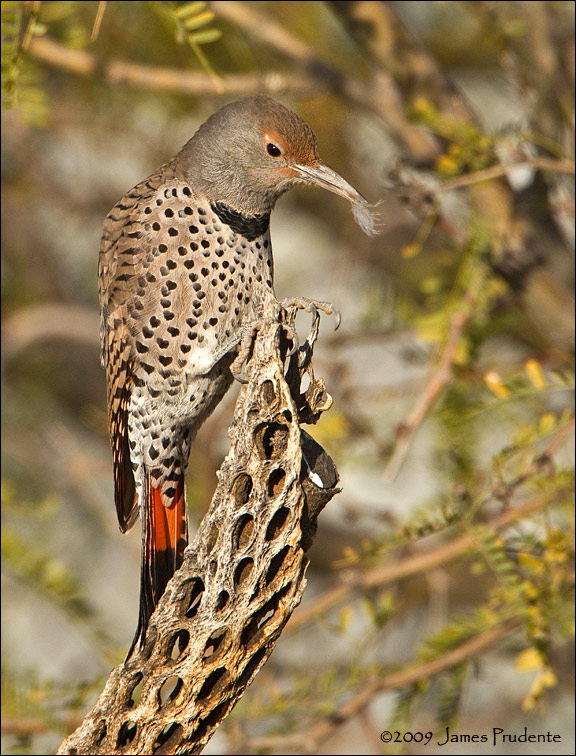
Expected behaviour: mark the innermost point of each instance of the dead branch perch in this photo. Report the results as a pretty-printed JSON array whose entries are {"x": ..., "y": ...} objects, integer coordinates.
[{"x": 242, "y": 577}]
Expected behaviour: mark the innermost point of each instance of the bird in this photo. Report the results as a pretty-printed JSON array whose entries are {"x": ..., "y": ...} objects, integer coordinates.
[{"x": 185, "y": 265}]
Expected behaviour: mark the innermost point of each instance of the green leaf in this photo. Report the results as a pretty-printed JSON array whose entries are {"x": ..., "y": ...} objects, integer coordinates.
[
  {"x": 205, "y": 36},
  {"x": 190, "y": 9},
  {"x": 195, "y": 22}
]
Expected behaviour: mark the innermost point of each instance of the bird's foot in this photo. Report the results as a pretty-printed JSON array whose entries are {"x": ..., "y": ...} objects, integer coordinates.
[
  {"x": 289, "y": 307},
  {"x": 243, "y": 342},
  {"x": 292, "y": 304}
]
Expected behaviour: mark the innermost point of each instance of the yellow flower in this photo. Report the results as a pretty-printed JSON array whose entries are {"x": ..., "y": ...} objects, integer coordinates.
[
  {"x": 534, "y": 370},
  {"x": 447, "y": 166},
  {"x": 494, "y": 383}
]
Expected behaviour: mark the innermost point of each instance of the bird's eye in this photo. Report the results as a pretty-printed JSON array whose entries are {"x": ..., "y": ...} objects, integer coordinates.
[{"x": 273, "y": 150}]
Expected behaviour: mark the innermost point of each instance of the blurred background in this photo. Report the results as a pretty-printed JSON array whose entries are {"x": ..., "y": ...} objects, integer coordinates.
[{"x": 452, "y": 373}]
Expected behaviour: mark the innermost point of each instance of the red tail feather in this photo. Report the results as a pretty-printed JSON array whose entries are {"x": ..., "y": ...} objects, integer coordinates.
[{"x": 164, "y": 538}]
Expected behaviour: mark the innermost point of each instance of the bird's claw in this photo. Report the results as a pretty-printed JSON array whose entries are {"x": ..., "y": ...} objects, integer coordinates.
[
  {"x": 238, "y": 375},
  {"x": 289, "y": 307},
  {"x": 243, "y": 341},
  {"x": 292, "y": 304},
  {"x": 292, "y": 335},
  {"x": 337, "y": 317}
]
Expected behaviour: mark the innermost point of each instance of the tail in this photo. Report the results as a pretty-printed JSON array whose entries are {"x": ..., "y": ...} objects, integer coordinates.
[{"x": 164, "y": 538}]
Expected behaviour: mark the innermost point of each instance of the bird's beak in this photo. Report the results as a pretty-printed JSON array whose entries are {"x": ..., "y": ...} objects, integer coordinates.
[
  {"x": 325, "y": 177},
  {"x": 321, "y": 175}
]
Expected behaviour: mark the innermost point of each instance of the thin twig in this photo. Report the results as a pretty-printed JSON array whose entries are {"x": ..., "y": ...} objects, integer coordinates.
[
  {"x": 544, "y": 52},
  {"x": 33, "y": 17},
  {"x": 434, "y": 558},
  {"x": 309, "y": 740},
  {"x": 98, "y": 20},
  {"x": 380, "y": 94},
  {"x": 439, "y": 379},
  {"x": 495, "y": 171},
  {"x": 267, "y": 30},
  {"x": 310, "y": 79},
  {"x": 196, "y": 83},
  {"x": 382, "y": 575},
  {"x": 559, "y": 439}
]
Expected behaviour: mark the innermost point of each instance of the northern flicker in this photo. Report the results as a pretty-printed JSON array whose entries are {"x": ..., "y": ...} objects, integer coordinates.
[{"x": 185, "y": 265}]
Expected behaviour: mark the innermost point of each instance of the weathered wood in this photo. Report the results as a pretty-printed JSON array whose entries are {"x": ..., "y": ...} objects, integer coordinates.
[{"x": 242, "y": 576}]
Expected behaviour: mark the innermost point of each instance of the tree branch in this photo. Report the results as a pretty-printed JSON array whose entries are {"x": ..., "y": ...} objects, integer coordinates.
[
  {"x": 269, "y": 31},
  {"x": 194, "y": 83},
  {"x": 379, "y": 94},
  {"x": 495, "y": 171}
]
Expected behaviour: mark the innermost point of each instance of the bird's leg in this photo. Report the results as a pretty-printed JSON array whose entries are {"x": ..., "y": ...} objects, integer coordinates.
[
  {"x": 246, "y": 337},
  {"x": 243, "y": 342}
]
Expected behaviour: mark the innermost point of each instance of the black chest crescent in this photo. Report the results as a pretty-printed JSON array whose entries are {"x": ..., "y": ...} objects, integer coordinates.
[{"x": 248, "y": 226}]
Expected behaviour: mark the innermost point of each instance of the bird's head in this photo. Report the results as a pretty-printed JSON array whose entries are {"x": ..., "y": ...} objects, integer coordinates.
[{"x": 250, "y": 152}]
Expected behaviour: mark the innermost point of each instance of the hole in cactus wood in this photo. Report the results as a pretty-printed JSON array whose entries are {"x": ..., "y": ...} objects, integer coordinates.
[
  {"x": 268, "y": 393},
  {"x": 169, "y": 690},
  {"x": 126, "y": 734},
  {"x": 100, "y": 732},
  {"x": 223, "y": 597},
  {"x": 276, "y": 563},
  {"x": 215, "y": 644},
  {"x": 277, "y": 523},
  {"x": 263, "y": 616},
  {"x": 250, "y": 669},
  {"x": 243, "y": 572},
  {"x": 213, "y": 682},
  {"x": 241, "y": 489},
  {"x": 135, "y": 689},
  {"x": 243, "y": 531},
  {"x": 276, "y": 481},
  {"x": 217, "y": 714},
  {"x": 196, "y": 593},
  {"x": 166, "y": 738},
  {"x": 178, "y": 644},
  {"x": 272, "y": 440}
]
